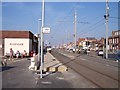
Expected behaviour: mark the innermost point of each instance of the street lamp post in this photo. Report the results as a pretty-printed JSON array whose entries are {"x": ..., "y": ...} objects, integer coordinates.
[
  {"x": 106, "y": 17},
  {"x": 75, "y": 27},
  {"x": 42, "y": 56},
  {"x": 39, "y": 40}
]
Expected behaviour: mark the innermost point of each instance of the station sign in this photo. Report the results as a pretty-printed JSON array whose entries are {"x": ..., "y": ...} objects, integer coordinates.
[{"x": 46, "y": 30}]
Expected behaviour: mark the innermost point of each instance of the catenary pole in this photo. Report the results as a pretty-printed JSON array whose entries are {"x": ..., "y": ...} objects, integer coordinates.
[
  {"x": 42, "y": 56},
  {"x": 39, "y": 40},
  {"x": 75, "y": 27},
  {"x": 107, "y": 15}
]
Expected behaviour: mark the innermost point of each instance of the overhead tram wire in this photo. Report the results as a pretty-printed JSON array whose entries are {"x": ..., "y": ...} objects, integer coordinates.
[
  {"x": 92, "y": 26},
  {"x": 88, "y": 22},
  {"x": 114, "y": 17},
  {"x": 94, "y": 23},
  {"x": 71, "y": 11},
  {"x": 68, "y": 15}
]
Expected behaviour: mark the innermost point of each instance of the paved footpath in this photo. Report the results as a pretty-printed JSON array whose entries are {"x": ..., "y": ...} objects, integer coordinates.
[
  {"x": 17, "y": 75},
  {"x": 54, "y": 77},
  {"x": 61, "y": 78}
]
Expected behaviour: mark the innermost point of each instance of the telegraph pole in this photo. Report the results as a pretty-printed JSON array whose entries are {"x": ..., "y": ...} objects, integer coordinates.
[
  {"x": 106, "y": 17},
  {"x": 75, "y": 27},
  {"x": 42, "y": 56}
]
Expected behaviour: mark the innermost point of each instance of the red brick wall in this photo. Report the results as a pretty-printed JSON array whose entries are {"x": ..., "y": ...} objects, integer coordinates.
[{"x": 16, "y": 34}]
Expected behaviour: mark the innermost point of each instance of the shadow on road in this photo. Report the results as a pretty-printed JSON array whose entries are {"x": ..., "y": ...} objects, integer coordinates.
[{"x": 5, "y": 68}]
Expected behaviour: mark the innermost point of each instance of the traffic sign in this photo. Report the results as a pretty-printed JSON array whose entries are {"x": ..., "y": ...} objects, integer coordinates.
[{"x": 46, "y": 30}]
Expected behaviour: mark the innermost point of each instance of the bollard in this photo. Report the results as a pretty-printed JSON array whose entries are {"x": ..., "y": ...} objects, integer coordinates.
[{"x": 32, "y": 64}]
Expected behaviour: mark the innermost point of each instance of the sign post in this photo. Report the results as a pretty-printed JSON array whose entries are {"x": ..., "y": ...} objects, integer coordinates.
[{"x": 44, "y": 30}]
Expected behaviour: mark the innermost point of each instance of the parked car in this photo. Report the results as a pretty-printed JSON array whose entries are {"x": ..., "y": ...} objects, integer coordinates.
[
  {"x": 70, "y": 49},
  {"x": 75, "y": 49},
  {"x": 49, "y": 48},
  {"x": 100, "y": 53},
  {"x": 118, "y": 54}
]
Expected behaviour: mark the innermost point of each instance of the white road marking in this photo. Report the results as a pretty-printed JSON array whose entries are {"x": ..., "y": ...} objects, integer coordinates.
[
  {"x": 46, "y": 82},
  {"x": 60, "y": 78}
]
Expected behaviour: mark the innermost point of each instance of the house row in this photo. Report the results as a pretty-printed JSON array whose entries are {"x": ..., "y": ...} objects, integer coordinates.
[
  {"x": 93, "y": 44},
  {"x": 113, "y": 41}
]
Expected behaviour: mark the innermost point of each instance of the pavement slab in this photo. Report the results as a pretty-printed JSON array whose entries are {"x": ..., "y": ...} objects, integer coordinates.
[{"x": 53, "y": 80}]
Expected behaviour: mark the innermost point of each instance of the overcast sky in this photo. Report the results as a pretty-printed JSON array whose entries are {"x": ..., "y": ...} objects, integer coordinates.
[{"x": 59, "y": 16}]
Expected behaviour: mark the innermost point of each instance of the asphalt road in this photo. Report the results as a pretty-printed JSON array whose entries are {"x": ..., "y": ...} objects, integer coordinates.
[
  {"x": 102, "y": 73},
  {"x": 17, "y": 75}
]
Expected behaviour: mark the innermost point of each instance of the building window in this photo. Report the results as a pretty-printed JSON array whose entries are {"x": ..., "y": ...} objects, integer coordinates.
[
  {"x": 117, "y": 46},
  {"x": 110, "y": 40},
  {"x": 113, "y": 40},
  {"x": 117, "y": 40},
  {"x": 110, "y": 46}
]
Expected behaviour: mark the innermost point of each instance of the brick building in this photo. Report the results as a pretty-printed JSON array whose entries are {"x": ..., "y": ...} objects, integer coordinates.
[
  {"x": 101, "y": 44},
  {"x": 18, "y": 40},
  {"x": 88, "y": 42},
  {"x": 114, "y": 41}
]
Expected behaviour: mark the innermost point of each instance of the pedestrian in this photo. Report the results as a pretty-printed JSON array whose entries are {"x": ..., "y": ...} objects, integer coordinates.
[
  {"x": 24, "y": 53},
  {"x": 4, "y": 61},
  {"x": 11, "y": 54},
  {"x": 31, "y": 53},
  {"x": 17, "y": 54},
  {"x": 88, "y": 51},
  {"x": 34, "y": 54}
]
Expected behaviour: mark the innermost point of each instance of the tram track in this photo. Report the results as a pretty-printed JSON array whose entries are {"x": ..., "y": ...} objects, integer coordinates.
[
  {"x": 87, "y": 72},
  {"x": 91, "y": 57}
]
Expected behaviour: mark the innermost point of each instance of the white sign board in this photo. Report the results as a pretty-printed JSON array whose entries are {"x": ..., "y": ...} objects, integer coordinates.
[
  {"x": 46, "y": 30},
  {"x": 20, "y": 44}
]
